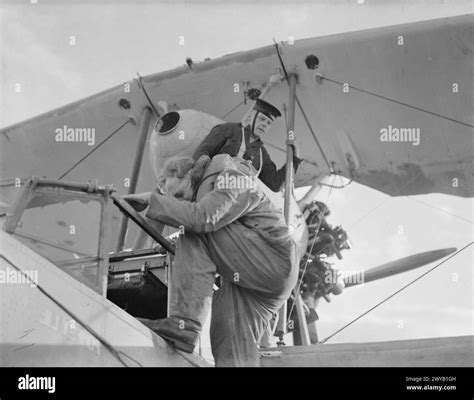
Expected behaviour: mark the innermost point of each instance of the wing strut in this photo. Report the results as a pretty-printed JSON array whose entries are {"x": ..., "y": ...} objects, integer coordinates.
[
  {"x": 289, "y": 184},
  {"x": 137, "y": 162},
  {"x": 331, "y": 170}
]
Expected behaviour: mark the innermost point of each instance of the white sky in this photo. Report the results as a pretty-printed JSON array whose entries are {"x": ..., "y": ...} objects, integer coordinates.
[{"x": 115, "y": 42}]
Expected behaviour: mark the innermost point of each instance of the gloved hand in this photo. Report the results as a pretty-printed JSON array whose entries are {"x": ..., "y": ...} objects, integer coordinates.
[
  {"x": 296, "y": 150},
  {"x": 139, "y": 201},
  {"x": 276, "y": 78}
]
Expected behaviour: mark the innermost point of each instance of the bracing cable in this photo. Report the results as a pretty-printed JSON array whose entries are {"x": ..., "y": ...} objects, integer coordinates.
[
  {"x": 300, "y": 106},
  {"x": 94, "y": 149},
  {"x": 395, "y": 293},
  {"x": 399, "y": 102},
  {"x": 142, "y": 87}
]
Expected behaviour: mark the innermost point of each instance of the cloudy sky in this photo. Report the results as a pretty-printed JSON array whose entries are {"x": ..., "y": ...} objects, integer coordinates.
[{"x": 113, "y": 42}]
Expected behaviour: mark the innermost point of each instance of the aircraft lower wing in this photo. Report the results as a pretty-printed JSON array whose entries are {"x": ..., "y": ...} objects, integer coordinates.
[
  {"x": 432, "y": 352},
  {"x": 390, "y": 108}
]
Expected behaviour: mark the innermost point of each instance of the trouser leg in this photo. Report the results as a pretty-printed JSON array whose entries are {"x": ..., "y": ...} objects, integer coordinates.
[
  {"x": 256, "y": 281},
  {"x": 244, "y": 258},
  {"x": 237, "y": 324},
  {"x": 192, "y": 279}
]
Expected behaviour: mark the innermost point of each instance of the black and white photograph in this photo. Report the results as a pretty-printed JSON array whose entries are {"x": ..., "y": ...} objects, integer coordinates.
[{"x": 256, "y": 184}]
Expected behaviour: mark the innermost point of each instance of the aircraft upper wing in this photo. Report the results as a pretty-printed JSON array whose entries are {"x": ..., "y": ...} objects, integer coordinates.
[{"x": 393, "y": 111}]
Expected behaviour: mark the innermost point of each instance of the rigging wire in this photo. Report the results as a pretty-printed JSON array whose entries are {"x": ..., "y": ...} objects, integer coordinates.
[
  {"x": 232, "y": 110},
  {"x": 142, "y": 87},
  {"x": 440, "y": 209},
  {"x": 351, "y": 180},
  {"x": 330, "y": 188},
  {"x": 394, "y": 294},
  {"x": 94, "y": 149},
  {"x": 419, "y": 201},
  {"x": 298, "y": 287},
  {"x": 399, "y": 102},
  {"x": 343, "y": 185},
  {"x": 362, "y": 91},
  {"x": 284, "y": 151},
  {"x": 300, "y": 106},
  {"x": 384, "y": 201}
]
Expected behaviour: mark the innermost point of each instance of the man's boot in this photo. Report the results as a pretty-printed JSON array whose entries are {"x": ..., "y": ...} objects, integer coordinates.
[{"x": 182, "y": 332}]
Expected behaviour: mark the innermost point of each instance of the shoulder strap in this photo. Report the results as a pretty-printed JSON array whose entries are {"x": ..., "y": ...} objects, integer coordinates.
[
  {"x": 243, "y": 147},
  {"x": 260, "y": 165}
]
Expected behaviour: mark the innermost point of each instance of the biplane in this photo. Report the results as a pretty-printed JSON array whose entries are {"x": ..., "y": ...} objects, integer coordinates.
[{"x": 389, "y": 108}]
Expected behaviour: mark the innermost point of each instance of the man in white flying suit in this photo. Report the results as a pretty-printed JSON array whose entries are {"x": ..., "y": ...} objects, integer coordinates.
[{"x": 230, "y": 228}]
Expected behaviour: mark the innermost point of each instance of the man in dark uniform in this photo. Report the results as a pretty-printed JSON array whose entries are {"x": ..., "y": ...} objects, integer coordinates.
[{"x": 227, "y": 139}]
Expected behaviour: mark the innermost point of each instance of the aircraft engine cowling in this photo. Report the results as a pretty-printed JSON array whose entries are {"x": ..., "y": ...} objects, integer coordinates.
[{"x": 178, "y": 133}]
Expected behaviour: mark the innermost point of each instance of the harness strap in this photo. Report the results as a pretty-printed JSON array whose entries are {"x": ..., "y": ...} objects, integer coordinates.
[
  {"x": 243, "y": 149},
  {"x": 260, "y": 165}
]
